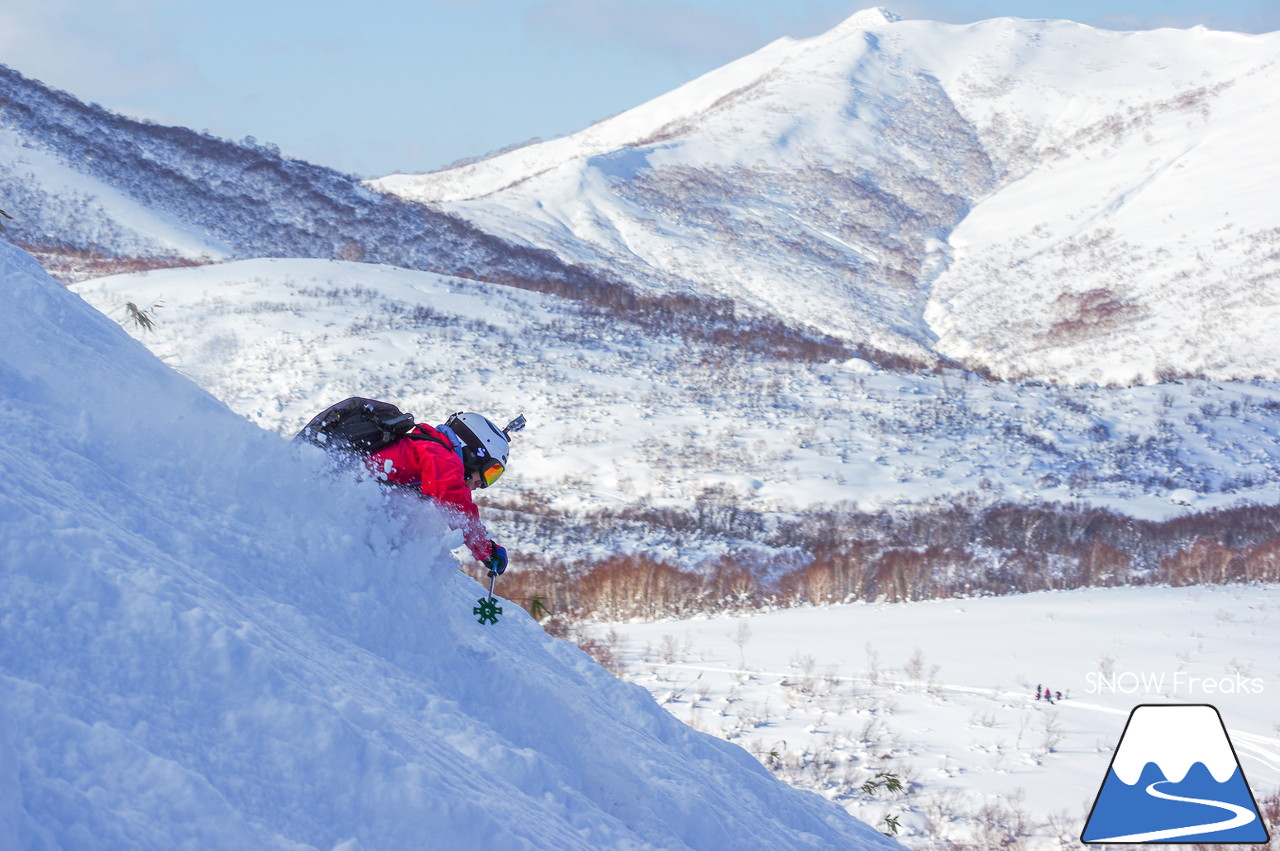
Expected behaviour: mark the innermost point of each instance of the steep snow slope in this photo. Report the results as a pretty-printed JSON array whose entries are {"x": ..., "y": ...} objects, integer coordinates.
[
  {"x": 206, "y": 640},
  {"x": 1035, "y": 198},
  {"x": 623, "y": 416}
]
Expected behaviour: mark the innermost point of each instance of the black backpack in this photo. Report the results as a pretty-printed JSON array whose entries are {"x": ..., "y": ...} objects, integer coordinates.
[{"x": 357, "y": 425}]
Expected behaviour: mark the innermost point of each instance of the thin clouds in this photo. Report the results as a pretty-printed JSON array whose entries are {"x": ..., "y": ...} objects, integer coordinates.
[
  {"x": 1261, "y": 17},
  {"x": 1264, "y": 18},
  {"x": 683, "y": 31},
  {"x": 100, "y": 50},
  {"x": 1140, "y": 15}
]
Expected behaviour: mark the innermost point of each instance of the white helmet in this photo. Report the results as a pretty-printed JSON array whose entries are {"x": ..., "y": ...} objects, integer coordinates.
[{"x": 485, "y": 446}]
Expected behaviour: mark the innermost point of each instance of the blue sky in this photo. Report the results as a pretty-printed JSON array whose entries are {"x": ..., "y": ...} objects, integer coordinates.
[{"x": 380, "y": 86}]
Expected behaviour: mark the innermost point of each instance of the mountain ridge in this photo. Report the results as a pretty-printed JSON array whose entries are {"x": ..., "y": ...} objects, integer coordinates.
[
  {"x": 1011, "y": 195},
  {"x": 80, "y": 178}
]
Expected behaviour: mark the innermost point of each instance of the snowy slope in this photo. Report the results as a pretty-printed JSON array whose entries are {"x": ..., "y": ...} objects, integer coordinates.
[
  {"x": 943, "y": 693},
  {"x": 1034, "y": 198},
  {"x": 208, "y": 641},
  {"x": 622, "y": 416},
  {"x": 51, "y": 197},
  {"x": 1134, "y": 238}
]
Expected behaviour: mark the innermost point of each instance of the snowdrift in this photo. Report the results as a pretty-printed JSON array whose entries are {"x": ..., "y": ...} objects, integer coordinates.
[{"x": 206, "y": 640}]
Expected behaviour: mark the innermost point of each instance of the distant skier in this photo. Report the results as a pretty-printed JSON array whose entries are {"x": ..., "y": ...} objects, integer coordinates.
[{"x": 446, "y": 463}]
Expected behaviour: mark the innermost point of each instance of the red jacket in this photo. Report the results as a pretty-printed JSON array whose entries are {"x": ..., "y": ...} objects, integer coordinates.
[{"x": 433, "y": 465}]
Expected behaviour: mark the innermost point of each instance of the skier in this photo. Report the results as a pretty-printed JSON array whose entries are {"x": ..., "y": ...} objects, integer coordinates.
[{"x": 447, "y": 462}]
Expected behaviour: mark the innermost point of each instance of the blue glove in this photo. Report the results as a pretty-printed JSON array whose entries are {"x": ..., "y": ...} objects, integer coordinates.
[{"x": 497, "y": 560}]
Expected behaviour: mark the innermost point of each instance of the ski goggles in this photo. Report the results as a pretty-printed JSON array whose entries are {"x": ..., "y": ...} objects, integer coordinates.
[
  {"x": 486, "y": 468},
  {"x": 489, "y": 474}
]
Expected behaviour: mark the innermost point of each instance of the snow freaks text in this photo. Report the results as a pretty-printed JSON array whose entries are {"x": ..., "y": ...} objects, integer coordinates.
[{"x": 1177, "y": 682}]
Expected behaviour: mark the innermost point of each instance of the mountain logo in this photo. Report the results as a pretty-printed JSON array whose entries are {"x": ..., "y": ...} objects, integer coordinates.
[{"x": 1174, "y": 777}]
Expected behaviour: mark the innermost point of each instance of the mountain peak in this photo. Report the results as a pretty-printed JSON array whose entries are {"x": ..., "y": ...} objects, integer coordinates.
[{"x": 872, "y": 17}]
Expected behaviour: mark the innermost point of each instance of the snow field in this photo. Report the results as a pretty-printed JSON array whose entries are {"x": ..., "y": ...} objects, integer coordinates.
[{"x": 942, "y": 694}]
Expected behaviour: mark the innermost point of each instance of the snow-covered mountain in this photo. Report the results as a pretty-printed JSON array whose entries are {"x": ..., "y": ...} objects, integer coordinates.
[
  {"x": 207, "y": 640},
  {"x": 1031, "y": 198},
  {"x": 85, "y": 185}
]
